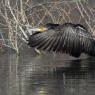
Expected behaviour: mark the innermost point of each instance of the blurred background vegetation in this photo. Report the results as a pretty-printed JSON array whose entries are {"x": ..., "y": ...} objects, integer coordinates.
[{"x": 16, "y": 15}]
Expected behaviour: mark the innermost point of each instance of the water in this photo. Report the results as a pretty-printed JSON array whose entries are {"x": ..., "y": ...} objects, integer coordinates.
[{"x": 46, "y": 74}]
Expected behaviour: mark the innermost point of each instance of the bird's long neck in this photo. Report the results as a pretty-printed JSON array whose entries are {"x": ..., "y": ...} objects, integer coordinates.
[{"x": 51, "y": 25}]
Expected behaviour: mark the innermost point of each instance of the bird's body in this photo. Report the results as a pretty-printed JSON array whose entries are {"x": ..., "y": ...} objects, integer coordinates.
[{"x": 69, "y": 38}]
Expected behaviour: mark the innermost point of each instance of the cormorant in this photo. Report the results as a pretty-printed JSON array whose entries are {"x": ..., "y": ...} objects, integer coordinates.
[{"x": 69, "y": 38}]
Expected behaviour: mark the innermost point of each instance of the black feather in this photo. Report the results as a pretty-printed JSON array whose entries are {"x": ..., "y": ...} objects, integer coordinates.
[{"x": 66, "y": 38}]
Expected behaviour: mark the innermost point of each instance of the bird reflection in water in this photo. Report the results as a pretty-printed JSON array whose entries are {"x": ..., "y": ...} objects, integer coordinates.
[{"x": 72, "y": 80}]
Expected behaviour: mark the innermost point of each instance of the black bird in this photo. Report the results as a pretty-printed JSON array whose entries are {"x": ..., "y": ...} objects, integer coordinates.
[{"x": 69, "y": 38}]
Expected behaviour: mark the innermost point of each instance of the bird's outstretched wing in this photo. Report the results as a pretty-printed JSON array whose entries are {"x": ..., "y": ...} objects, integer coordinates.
[{"x": 67, "y": 40}]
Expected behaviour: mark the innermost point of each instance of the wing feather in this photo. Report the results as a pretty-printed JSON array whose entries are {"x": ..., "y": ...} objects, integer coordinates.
[{"x": 69, "y": 39}]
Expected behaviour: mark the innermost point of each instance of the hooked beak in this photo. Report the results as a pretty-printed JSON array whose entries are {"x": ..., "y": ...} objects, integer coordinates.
[{"x": 40, "y": 29}]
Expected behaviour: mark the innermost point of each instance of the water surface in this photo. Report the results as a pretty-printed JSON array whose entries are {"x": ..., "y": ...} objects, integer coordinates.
[{"x": 46, "y": 74}]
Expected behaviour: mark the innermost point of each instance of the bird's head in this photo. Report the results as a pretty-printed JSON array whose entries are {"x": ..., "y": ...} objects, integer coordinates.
[{"x": 46, "y": 27}]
